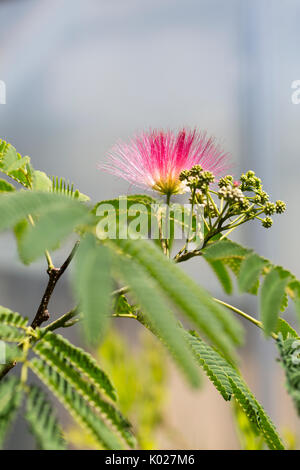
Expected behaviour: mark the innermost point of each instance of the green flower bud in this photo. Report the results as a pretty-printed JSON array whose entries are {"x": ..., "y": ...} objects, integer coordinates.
[
  {"x": 270, "y": 208},
  {"x": 244, "y": 204},
  {"x": 184, "y": 175},
  {"x": 280, "y": 207},
  {"x": 263, "y": 196},
  {"x": 225, "y": 181},
  {"x": 257, "y": 199},
  {"x": 196, "y": 170},
  {"x": 267, "y": 222}
]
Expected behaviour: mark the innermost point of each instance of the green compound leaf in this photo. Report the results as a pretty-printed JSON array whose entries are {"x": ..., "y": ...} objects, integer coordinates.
[
  {"x": 108, "y": 412},
  {"x": 228, "y": 382},
  {"x": 213, "y": 364},
  {"x": 271, "y": 297},
  {"x": 225, "y": 249},
  {"x": 17, "y": 206},
  {"x": 6, "y": 187},
  {"x": 250, "y": 270},
  {"x": 92, "y": 284},
  {"x": 83, "y": 361},
  {"x": 42, "y": 421},
  {"x": 51, "y": 228},
  {"x": 78, "y": 407},
  {"x": 285, "y": 329},
  {"x": 10, "y": 401},
  {"x": 13, "y": 165},
  {"x": 40, "y": 181},
  {"x": 7, "y": 317},
  {"x": 60, "y": 185},
  {"x": 289, "y": 349},
  {"x": 12, "y": 326},
  {"x": 157, "y": 312},
  {"x": 215, "y": 322},
  {"x": 11, "y": 334},
  {"x": 222, "y": 274}
]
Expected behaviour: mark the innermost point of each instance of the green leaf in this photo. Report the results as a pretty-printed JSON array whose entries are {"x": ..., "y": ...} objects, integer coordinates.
[
  {"x": 247, "y": 266},
  {"x": 250, "y": 270},
  {"x": 159, "y": 315},
  {"x": 51, "y": 228},
  {"x": 19, "y": 231},
  {"x": 249, "y": 437},
  {"x": 15, "y": 166},
  {"x": 293, "y": 289},
  {"x": 271, "y": 296},
  {"x": 10, "y": 400},
  {"x": 42, "y": 421},
  {"x": 17, "y": 206},
  {"x": 6, "y": 187},
  {"x": 289, "y": 349},
  {"x": 83, "y": 361},
  {"x": 214, "y": 321},
  {"x": 228, "y": 382},
  {"x": 212, "y": 363},
  {"x": 40, "y": 181},
  {"x": 10, "y": 334},
  {"x": 256, "y": 413},
  {"x": 60, "y": 185},
  {"x": 93, "y": 287},
  {"x": 7, "y": 317},
  {"x": 11, "y": 325},
  {"x": 123, "y": 203},
  {"x": 232, "y": 255},
  {"x": 285, "y": 329},
  {"x": 58, "y": 362},
  {"x": 77, "y": 406},
  {"x": 12, "y": 354},
  {"x": 225, "y": 249},
  {"x": 222, "y": 274}
]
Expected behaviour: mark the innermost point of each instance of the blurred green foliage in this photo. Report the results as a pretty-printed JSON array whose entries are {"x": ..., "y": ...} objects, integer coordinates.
[{"x": 140, "y": 377}]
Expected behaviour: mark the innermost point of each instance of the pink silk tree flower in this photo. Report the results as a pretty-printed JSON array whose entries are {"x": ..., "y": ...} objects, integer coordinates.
[{"x": 156, "y": 158}]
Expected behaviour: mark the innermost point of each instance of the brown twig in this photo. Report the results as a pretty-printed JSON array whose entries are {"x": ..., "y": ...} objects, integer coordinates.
[{"x": 42, "y": 313}]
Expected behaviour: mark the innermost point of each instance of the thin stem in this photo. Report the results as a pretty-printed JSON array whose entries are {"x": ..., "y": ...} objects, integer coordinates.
[
  {"x": 167, "y": 240},
  {"x": 213, "y": 203},
  {"x": 244, "y": 315},
  {"x": 124, "y": 315},
  {"x": 49, "y": 260},
  {"x": 228, "y": 232},
  {"x": 62, "y": 321}
]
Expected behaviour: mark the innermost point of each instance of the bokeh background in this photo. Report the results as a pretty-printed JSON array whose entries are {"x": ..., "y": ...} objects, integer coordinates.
[{"x": 81, "y": 74}]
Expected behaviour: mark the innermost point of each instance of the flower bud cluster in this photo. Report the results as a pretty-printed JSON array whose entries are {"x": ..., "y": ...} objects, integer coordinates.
[{"x": 244, "y": 199}]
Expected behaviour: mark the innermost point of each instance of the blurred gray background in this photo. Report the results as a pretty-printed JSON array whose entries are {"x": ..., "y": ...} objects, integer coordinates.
[{"x": 80, "y": 74}]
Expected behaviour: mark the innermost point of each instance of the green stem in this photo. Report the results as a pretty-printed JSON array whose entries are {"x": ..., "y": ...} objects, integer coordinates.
[
  {"x": 124, "y": 315},
  {"x": 61, "y": 322},
  {"x": 244, "y": 315},
  {"x": 167, "y": 240}
]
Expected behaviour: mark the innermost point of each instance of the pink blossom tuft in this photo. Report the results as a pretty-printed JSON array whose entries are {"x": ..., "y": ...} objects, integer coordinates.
[{"x": 155, "y": 159}]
